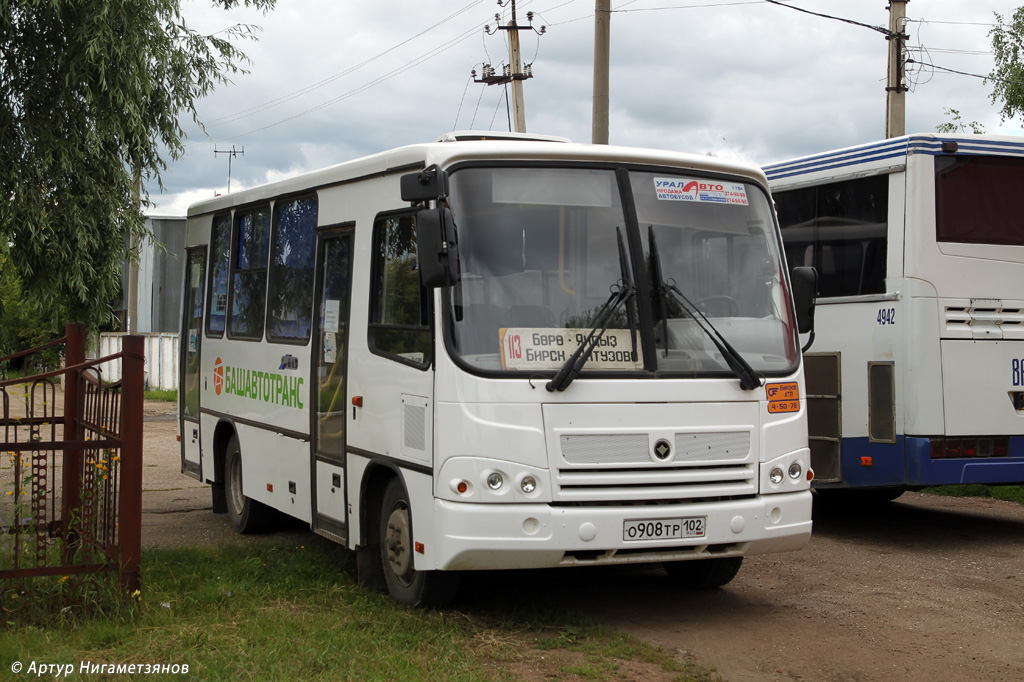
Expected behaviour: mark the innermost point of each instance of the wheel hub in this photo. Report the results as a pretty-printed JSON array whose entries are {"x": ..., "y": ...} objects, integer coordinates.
[{"x": 397, "y": 542}]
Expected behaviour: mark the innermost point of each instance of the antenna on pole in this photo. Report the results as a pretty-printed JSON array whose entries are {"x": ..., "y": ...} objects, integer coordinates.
[
  {"x": 232, "y": 153},
  {"x": 514, "y": 72}
]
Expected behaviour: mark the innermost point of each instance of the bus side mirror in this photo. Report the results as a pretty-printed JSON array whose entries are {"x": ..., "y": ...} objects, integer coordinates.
[
  {"x": 805, "y": 290},
  {"x": 427, "y": 185},
  {"x": 436, "y": 247}
]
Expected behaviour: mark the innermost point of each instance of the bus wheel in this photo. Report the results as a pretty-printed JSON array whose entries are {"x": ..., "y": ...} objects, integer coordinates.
[
  {"x": 703, "y": 574},
  {"x": 407, "y": 585},
  {"x": 246, "y": 515}
]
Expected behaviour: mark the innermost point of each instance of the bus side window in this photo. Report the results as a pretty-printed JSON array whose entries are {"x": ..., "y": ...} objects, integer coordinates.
[
  {"x": 220, "y": 252},
  {"x": 847, "y": 224},
  {"x": 290, "y": 300},
  {"x": 249, "y": 274},
  {"x": 399, "y": 306}
]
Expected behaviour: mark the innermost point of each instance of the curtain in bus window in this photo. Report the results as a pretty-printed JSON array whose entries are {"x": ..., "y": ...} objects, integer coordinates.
[
  {"x": 978, "y": 200},
  {"x": 290, "y": 297},
  {"x": 249, "y": 281},
  {"x": 220, "y": 257}
]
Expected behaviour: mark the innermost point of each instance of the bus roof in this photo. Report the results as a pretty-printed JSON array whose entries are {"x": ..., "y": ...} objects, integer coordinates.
[
  {"x": 891, "y": 154},
  {"x": 468, "y": 146}
]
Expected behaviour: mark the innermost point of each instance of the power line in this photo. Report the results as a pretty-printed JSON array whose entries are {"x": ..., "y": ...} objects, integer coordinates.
[
  {"x": 357, "y": 90},
  {"x": 229, "y": 118},
  {"x": 883, "y": 31}
]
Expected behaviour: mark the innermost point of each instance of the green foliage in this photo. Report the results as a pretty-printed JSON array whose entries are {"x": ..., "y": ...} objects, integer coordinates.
[
  {"x": 291, "y": 609},
  {"x": 163, "y": 395},
  {"x": 1007, "y": 76},
  {"x": 1010, "y": 493},
  {"x": 19, "y": 328},
  {"x": 91, "y": 95},
  {"x": 957, "y": 125}
]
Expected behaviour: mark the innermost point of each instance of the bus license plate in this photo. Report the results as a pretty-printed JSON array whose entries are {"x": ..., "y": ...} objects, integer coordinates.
[{"x": 664, "y": 529}]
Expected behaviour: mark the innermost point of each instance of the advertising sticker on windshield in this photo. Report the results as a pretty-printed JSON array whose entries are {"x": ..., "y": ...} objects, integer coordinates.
[
  {"x": 547, "y": 348},
  {"x": 700, "y": 190}
]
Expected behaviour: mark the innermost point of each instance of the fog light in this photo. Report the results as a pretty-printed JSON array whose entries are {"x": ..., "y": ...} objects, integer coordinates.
[
  {"x": 495, "y": 481},
  {"x": 775, "y": 476},
  {"x": 795, "y": 470},
  {"x": 528, "y": 484}
]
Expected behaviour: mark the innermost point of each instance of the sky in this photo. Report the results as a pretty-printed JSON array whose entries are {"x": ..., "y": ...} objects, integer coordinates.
[{"x": 333, "y": 80}]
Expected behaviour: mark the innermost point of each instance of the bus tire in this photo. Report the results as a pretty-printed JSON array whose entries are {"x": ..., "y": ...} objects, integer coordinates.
[
  {"x": 407, "y": 585},
  {"x": 246, "y": 515},
  {"x": 703, "y": 574}
]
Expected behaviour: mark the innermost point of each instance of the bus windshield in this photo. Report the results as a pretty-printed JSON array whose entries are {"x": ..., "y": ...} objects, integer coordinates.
[{"x": 543, "y": 250}]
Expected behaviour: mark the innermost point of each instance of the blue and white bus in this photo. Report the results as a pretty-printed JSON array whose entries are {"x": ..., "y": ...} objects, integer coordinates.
[{"x": 916, "y": 375}]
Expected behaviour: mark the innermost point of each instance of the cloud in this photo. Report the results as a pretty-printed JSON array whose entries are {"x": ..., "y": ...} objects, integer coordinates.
[{"x": 332, "y": 81}]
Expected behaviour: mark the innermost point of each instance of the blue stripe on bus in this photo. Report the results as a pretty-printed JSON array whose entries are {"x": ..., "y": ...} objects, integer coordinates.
[
  {"x": 908, "y": 462},
  {"x": 919, "y": 144}
]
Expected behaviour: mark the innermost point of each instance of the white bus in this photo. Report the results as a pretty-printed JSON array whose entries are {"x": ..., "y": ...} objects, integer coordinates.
[
  {"x": 916, "y": 375},
  {"x": 386, "y": 349}
]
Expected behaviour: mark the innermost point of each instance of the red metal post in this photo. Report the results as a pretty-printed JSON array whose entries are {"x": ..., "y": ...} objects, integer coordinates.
[
  {"x": 130, "y": 503},
  {"x": 71, "y": 484}
]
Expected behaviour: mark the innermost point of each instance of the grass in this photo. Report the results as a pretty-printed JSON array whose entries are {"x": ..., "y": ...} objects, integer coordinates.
[
  {"x": 161, "y": 394},
  {"x": 1010, "y": 493},
  {"x": 275, "y": 610}
]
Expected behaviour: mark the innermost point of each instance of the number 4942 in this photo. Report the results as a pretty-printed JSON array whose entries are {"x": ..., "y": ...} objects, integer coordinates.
[{"x": 886, "y": 316}]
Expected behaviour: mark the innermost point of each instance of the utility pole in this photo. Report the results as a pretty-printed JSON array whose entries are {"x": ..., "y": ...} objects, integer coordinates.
[
  {"x": 602, "y": 40},
  {"x": 895, "y": 100},
  {"x": 232, "y": 153},
  {"x": 514, "y": 72}
]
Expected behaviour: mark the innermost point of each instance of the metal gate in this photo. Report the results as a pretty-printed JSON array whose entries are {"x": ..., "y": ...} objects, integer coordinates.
[{"x": 71, "y": 471}]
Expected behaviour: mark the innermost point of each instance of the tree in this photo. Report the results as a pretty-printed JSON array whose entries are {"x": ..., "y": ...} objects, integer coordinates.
[
  {"x": 1007, "y": 76},
  {"x": 958, "y": 125},
  {"x": 92, "y": 91}
]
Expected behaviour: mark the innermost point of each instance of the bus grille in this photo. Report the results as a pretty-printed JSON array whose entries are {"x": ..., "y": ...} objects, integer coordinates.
[
  {"x": 621, "y": 468},
  {"x": 984, "y": 319}
]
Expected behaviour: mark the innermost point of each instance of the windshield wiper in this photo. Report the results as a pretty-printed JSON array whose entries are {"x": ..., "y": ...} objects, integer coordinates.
[
  {"x": 622, "y": 292},
  {"x": 749, "y": 380}
]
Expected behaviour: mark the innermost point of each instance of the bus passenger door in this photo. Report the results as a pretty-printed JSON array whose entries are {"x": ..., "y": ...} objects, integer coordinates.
[
  {"x": 328, "y": 396},
  {"x": 191, "y": 343}
]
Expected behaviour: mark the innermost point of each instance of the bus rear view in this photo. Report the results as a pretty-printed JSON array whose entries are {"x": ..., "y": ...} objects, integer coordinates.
[{"x": 915, "y": 374}]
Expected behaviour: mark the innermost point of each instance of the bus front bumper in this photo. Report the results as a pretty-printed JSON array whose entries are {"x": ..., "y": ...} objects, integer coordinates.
[{"x": 513, "y": 536}]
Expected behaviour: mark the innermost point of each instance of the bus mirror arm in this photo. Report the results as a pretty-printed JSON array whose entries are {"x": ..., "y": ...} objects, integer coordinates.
[
  {"x": 805, "y": 290},
  {"x": 437, "y": 247}
]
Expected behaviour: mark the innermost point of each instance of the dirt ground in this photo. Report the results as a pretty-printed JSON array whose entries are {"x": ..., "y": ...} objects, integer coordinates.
[{"x": 925, "y": 588}]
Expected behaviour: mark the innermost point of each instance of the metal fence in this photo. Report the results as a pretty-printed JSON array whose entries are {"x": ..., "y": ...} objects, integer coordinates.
[{"x": 71, "y": 471}]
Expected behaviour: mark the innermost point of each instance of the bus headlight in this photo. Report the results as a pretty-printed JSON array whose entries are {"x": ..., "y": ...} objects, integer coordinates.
[
  {"x": 795, "y": 470},
  {"x": 495, "y": 481},
  {"x": 775, "y": 476},
  {"x": 528, "y": 484}
]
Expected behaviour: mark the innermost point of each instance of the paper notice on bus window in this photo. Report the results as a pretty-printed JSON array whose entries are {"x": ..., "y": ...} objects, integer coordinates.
[
  {"x": 547, "y": 348},
  {"x": 332, "y": 313},
  {"x": 330, "y": 348},
  {"x": 701, "y": 190}
]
